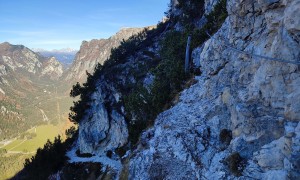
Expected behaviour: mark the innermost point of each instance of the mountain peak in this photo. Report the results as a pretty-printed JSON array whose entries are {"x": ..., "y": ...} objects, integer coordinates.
[{"x": 97, "y": 51}]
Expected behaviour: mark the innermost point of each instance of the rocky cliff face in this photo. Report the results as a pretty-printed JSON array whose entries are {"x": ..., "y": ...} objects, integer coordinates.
[
  {"x": 242, "y": 116},
  {"x": 103, "y": 128},
  {"x": 52, "y": 69},
  {"x": 241, "y": 120},
  {"x": 96, "y": 51},
  {"x": 19, "y": 59}
]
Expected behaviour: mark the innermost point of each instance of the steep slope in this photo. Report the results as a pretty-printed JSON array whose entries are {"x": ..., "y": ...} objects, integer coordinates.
[
  {"x": 96, "y": 51},
  {"x": 21, "y": 60},
  {"x": 242, "y": 117},
  {"x": 52, "y": 69},
  {"x": 239, "y": 120},
  {"x": 242, "y": 112}
]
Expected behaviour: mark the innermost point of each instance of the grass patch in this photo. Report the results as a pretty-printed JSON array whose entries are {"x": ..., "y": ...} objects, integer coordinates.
[{"x": 43, "y": 133}]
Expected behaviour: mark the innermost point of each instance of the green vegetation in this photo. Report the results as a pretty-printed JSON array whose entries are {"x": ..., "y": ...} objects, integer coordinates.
[
  {"x": 118, "y": 56},
  {"x": 13, "y": 155},
  {"x": 48, "y": 159},
  {"x": 192, "y": 10},
  {"x": 11, "y": 164},
  {"x": 71, "y": 132},
  {"x": 142, "y": 104},
  {"x": 84, "y": 92},
  {"x": 25, "y": 113},
  {"x": 25, "y": 144},
  {"x": 215, "y": 20}
]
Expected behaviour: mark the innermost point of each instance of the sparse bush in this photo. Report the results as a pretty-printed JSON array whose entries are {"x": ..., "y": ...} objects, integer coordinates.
[
  {"x": 71, "y": 132},
  {"x": 84, "y": 91},
  {"x": 236, "y": 164},
  {"x": 142, "y": 104},
  {"x": 191, "y": 10},
  {"x": 109, "y": 153},
  {"x": 47, "y": 160},
  {"x": 121, "y": 151},
  {"x": 225, "y": 136},
  {"x": 215, "y": 19}
]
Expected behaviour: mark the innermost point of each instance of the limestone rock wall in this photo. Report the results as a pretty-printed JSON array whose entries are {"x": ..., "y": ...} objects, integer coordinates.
[
  {"x": 103, "y": 129},
  {"x": 255, "y": 99},
  {"x": 52, "y": 69}
]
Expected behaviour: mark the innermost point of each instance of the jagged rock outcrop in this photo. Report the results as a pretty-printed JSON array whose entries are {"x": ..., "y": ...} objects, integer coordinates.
[
  {"x": 96, "y": 51},
  {"x": 255, "y": 100},
  {"x": 103, "y": 128},
  {"x": 19, "y": 57},
  {"x": 22, "y": 61},
  {"x": 52, "y": 69}
]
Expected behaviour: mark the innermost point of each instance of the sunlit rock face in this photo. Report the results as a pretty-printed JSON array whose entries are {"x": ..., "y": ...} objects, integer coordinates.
[
  {"x": 96, "y": 51},
  {"x": 52, "y": 69},
  {"x": 255, "y": 99},
  {"x": 18, "y": 57},
  {"x": 20, "y": 60}
]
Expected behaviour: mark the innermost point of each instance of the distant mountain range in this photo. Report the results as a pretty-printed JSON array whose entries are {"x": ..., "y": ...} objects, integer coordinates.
[{"x": 65, "y": 56}]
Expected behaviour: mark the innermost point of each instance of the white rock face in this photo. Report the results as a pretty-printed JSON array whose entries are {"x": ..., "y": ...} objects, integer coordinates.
[
  {"x": 256, "y": 99},
  {"x": 3, "y": 71},
  {"x": 19, "y": 58},
  {"x": 102, "y": 128},
  {"x": 52, "y": 68}
]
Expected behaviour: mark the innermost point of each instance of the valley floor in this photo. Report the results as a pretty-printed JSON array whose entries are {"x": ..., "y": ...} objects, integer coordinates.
[{"x": 13, "y": 152}]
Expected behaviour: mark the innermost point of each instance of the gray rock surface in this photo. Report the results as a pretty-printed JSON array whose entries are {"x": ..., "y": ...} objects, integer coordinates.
[
  {"x": 258, "y": 100},
  {"x": 52, "y": 69},
  {"x": 103, "y": 129}
]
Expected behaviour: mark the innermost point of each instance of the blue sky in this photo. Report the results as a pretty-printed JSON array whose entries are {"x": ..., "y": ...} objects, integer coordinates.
[{"x": 56, "y": 24}]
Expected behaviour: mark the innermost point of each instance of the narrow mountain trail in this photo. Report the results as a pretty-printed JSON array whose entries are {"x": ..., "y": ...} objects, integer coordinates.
[{"x": 105, "y": 161}]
